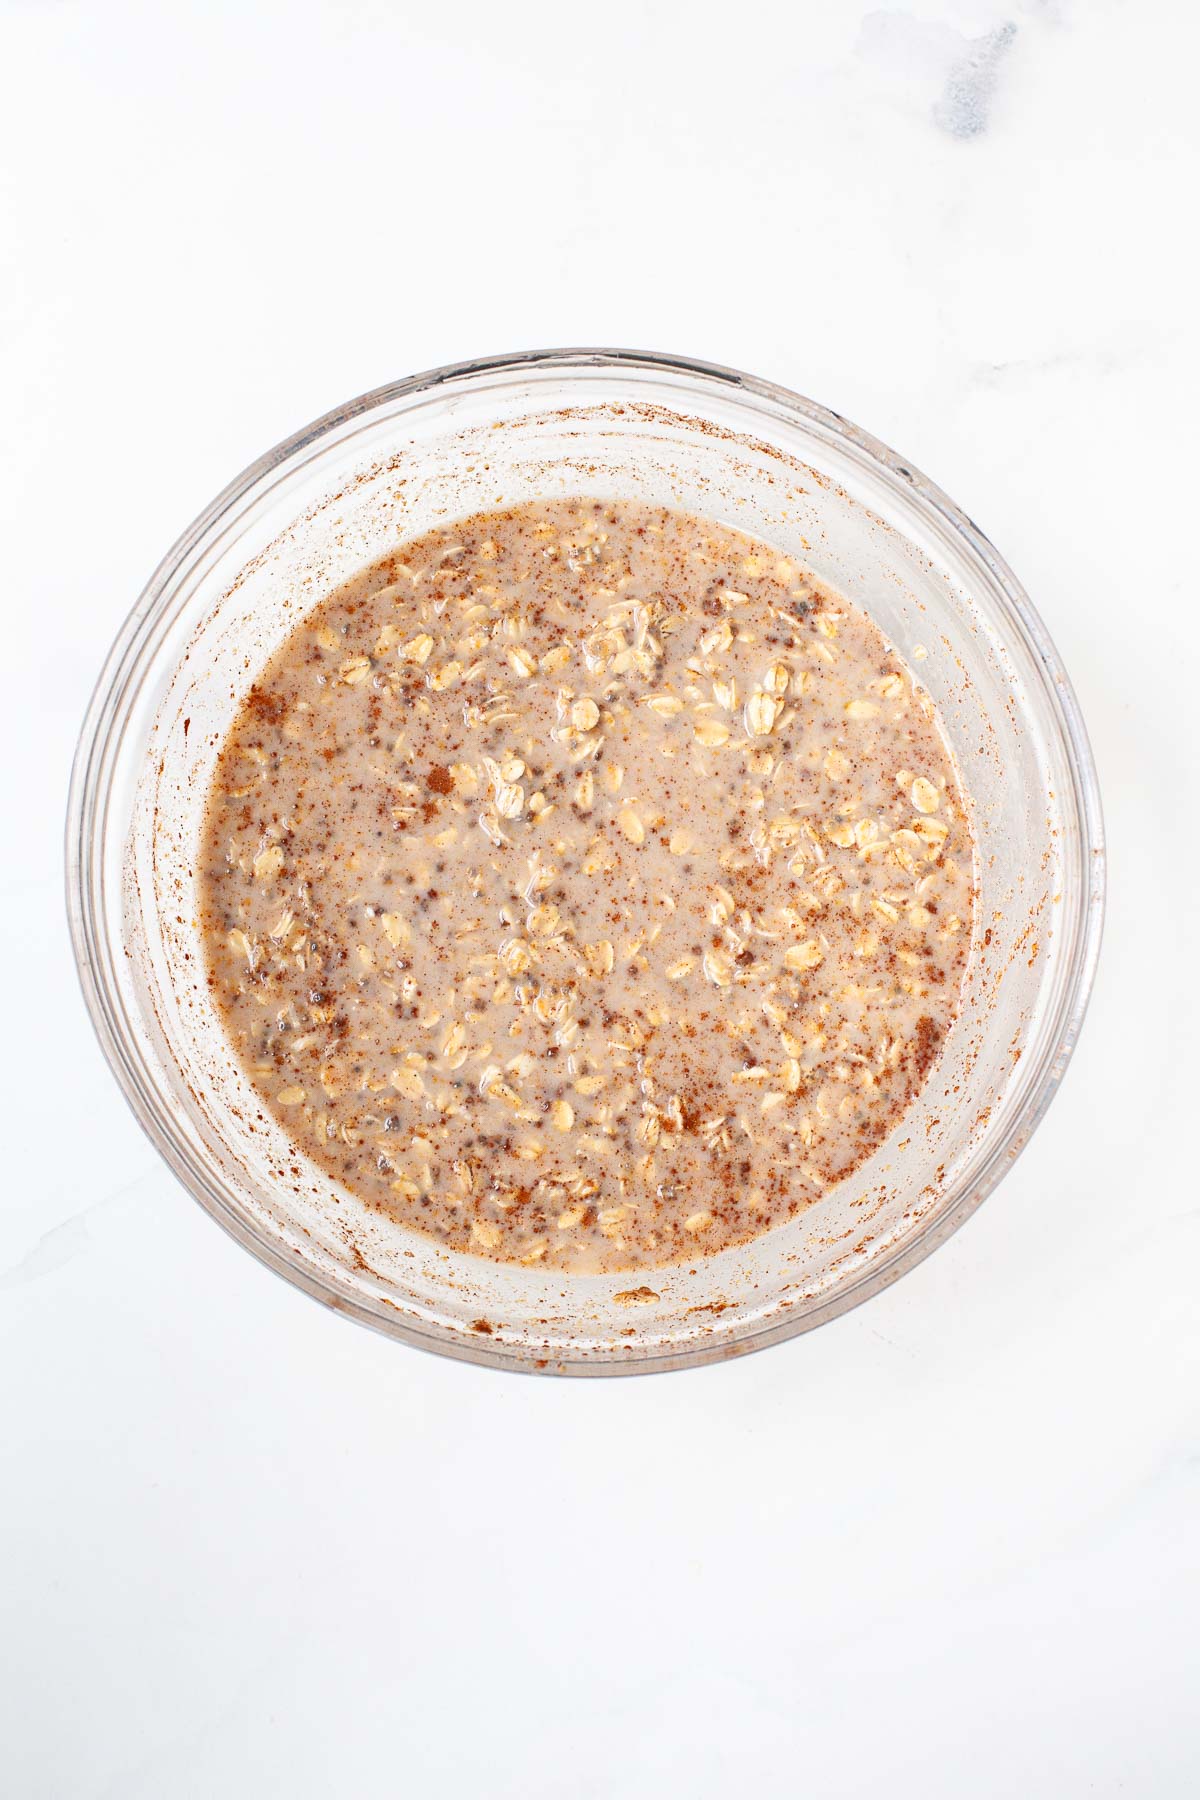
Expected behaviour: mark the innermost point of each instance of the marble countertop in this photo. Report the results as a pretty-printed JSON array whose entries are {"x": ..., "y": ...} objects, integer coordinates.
[{"x": 944, "y": 1546}]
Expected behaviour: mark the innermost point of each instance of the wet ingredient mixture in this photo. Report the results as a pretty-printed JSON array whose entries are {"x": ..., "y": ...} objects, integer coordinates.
[{"x": 584, "y": 885}]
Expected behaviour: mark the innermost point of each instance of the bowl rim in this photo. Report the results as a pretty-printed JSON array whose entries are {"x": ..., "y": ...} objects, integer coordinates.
[{"x": 87, "y": 815}]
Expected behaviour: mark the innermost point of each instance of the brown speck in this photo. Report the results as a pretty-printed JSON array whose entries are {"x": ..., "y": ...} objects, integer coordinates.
[{"x": 638, "y": 1296}]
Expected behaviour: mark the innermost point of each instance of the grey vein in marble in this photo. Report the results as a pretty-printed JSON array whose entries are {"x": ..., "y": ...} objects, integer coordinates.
[
  {"x": 970, "y": 86},
  {"x": 65, "y": 1241},
  {"x": 1093, "y": 360},
  {"x": 920, "y": 50}
]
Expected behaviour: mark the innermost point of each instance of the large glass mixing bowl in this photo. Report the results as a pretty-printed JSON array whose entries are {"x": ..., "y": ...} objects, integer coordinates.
[{"x": 611, "y": 424}]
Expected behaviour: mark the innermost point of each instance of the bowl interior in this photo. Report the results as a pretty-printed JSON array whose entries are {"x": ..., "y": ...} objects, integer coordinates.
[{"x": 338, "y": 498}]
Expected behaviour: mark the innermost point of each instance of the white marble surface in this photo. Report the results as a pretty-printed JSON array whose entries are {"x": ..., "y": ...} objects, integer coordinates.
[{"x": 946, "y": 1546}]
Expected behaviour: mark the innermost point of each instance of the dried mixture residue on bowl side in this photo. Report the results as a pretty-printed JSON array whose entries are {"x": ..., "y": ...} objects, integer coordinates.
[{"x": 586, "y": 886}]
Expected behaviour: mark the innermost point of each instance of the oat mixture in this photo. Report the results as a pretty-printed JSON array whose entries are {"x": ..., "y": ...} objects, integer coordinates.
[{"x": 584, "y": 885}]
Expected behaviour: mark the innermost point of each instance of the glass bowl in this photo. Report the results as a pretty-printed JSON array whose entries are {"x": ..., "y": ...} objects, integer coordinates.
[{"x": 612, "y": 424}]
